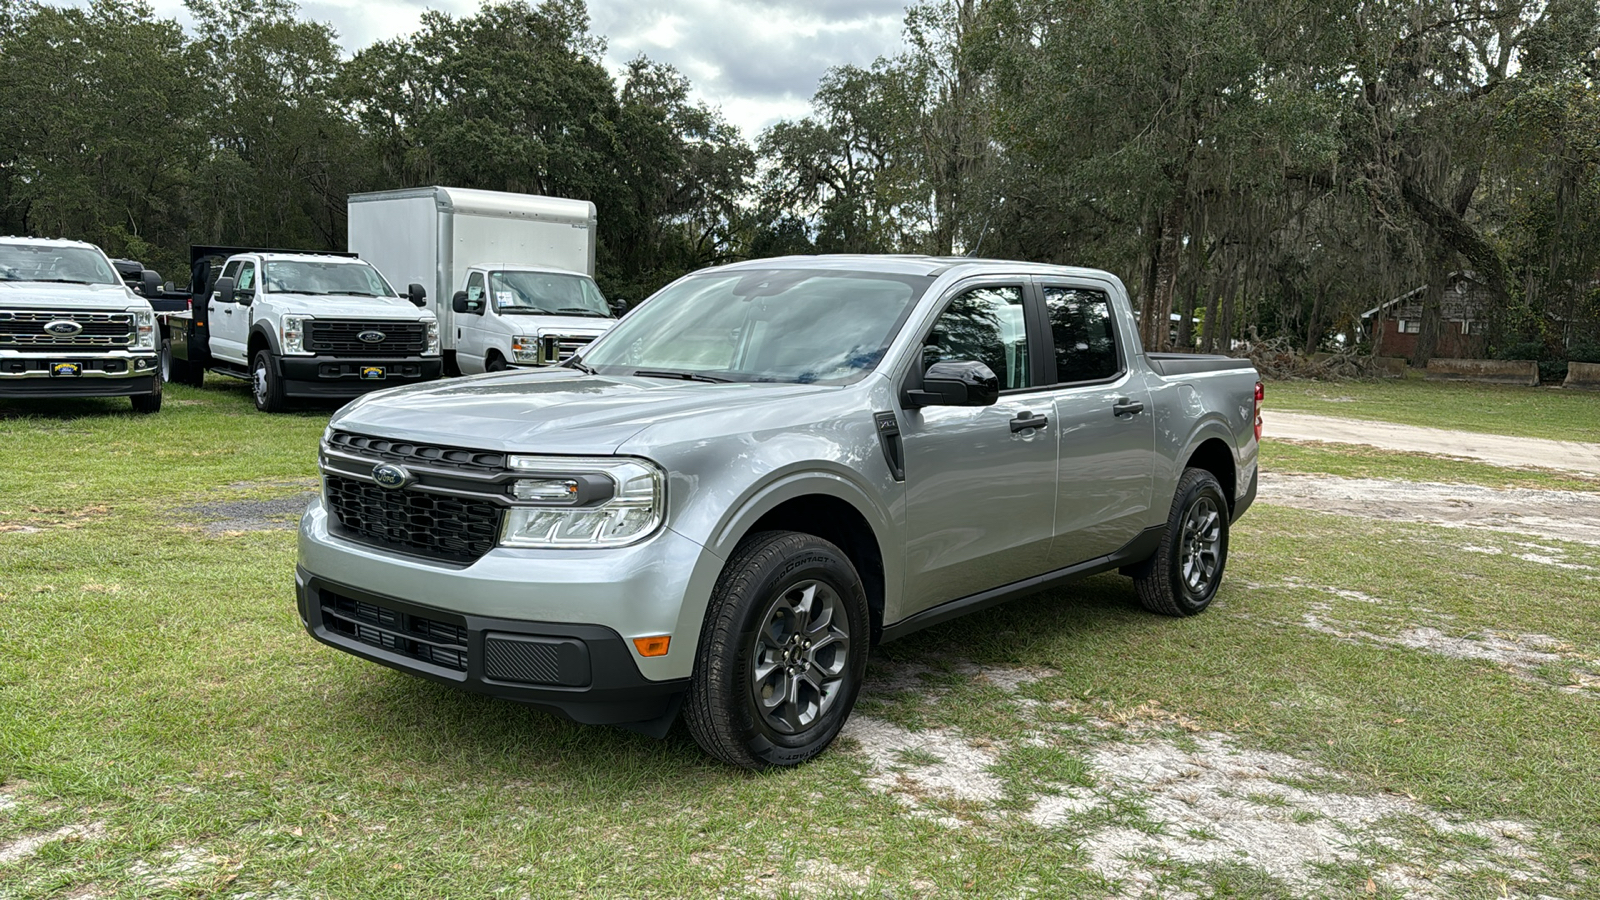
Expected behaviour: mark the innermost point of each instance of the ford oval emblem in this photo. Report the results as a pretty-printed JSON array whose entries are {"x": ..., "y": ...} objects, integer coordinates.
[
  {"x": 391, "y": 477},
  {"x": 371, "y": 337},
  {"x": 62, "y": 328}
]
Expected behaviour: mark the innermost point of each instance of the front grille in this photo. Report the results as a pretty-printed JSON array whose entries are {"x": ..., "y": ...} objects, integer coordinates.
[
  {"x": 420, "y": 454},
  {"x": 442, "y": 644},
  {"x": 560, "y": 347},
  {"x": 24, "y": 330},
  {"x": 335, "y": 338},
  {"x": 410, "y": 521}
]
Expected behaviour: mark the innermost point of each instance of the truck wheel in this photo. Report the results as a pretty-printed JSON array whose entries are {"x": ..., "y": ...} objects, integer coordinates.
[
  {"x": 188, "y": 372},
  {"x": 151, "y": 402},
  {"x": 494, "y": 362},
  {"x": 166, "y": 360},
  {"x": 265, "y": 385},
  {"x": 782, "y": 653},
  {"x": 1183, "y": 575}
]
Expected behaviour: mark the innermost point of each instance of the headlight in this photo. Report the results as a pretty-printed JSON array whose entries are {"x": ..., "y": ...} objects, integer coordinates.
[
  {"x": 144, "y": 331},
  {"x": 525, "y": 347},
  {"x": 584, "y": 502},
  {"x": 294, "y": 334},
  {"x": 432, "y": 348}
]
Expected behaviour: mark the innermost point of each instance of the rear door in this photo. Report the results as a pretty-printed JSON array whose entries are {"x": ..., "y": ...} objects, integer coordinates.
[
  {"x": 1105, "y": 427},
  {"x": 980, "y": 491}
]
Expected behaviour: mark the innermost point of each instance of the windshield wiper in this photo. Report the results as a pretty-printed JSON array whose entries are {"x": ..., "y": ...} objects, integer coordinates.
[
  {"x": 682, "y": 376},
  {"x": 575, "y": 363},
  {"x": 584, "y": 310},
  {"x": 64, "y": 281}
]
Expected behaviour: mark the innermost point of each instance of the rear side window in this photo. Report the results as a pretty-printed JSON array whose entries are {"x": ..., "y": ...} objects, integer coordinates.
[{"x": 1080, "y": 323}]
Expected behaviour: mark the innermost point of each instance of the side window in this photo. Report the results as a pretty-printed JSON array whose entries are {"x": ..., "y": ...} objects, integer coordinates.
[
  {"x": 986, "y": 324},
  {"x": 247, "y": 277},
  {"x": 475, "y": 287},
  {"x": 1086, "y": 345}
]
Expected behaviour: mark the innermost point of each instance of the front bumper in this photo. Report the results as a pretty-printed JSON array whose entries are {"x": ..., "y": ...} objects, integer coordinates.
[
  {"x": 341, "y": 376},
  {"x": 119, "y": 374},
  {"x": 600, "y": 598}
]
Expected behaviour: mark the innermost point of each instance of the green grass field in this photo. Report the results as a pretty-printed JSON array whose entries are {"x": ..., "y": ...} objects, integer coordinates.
[
  {"x": 1369, "y": 709},
  {"x": 1544, "y": 412}
]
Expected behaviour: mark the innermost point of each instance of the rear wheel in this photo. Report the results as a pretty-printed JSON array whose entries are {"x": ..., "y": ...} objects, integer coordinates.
[
  {"x": 265, "y": 385},
  {"x": 782, "y": 653},
  {"x": 1186, "y": 571}
]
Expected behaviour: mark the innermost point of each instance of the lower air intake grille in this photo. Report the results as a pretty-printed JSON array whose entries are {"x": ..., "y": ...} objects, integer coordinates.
[
  {"x": 447, "y": 528},
  {"x": 431, "y": 641}
]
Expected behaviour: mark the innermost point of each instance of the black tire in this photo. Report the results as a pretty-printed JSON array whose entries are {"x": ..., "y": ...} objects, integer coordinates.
[
  {"x": 145, "y": 404},
  {"x": 1186, "y": 570},
  {"x": 189, "y": 373},
  {"x": 773, "y": 579},
  {"x": 165, "y": 357},
  {"x": 494, "y": 362},
  {"x": 265, "y": 385}
]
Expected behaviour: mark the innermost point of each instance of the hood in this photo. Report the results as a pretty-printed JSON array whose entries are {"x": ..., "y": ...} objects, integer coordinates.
[
  {"x": 523, "y": 323},
  {"x": 347, "y": 307},
  {"x": 548, "y": 411},
  {"x": 52, "y": 296}
]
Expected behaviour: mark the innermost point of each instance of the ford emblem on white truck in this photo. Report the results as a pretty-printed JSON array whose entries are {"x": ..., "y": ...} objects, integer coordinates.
[
  {"x": 62, "y": 328},
  {"x": 391, "y": 477},
  {"x": 371, "y": 337}
]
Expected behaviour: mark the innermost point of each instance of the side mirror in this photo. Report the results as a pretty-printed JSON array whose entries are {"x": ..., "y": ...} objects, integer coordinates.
[
  {"x": 225, "y": 290},
  {"x": 619, "y": 308},
  {"x": 956, "y": 383},
  {"x": 149, "y": 283},
  {"x": 461, "y": 304},
  {"x": 419, "y": 296}
]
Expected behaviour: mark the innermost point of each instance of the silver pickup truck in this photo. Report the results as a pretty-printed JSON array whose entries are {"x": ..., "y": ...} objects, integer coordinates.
[{"x": 761, "y": 471}]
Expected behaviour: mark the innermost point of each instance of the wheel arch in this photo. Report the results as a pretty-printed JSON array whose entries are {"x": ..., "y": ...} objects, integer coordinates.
[
  {"x": 1213, "y": 454},
  {"x": 261, "y": 338}
]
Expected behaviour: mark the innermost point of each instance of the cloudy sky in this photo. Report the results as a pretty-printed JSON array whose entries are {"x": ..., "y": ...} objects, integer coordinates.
[{"x": 759, "y": 60}]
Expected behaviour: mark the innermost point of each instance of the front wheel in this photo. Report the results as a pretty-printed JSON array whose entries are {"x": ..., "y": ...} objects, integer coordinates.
[
  {"x": 1186, "y": 571},
  {"x": 782, "y": 654},
  {"x": 494, "y": 362},
  {"x": 149, "y": 403},
  {"x": 265, "y": 385}
]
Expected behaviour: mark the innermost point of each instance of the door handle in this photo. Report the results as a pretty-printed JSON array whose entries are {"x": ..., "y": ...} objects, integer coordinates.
[
  {"x": 229, "y": 310},
  {"x": 1028, "y": 419},
  {"x": 1126, "y": 407}
]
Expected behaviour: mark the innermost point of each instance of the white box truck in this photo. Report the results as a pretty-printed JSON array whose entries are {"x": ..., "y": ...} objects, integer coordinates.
[{"x": 511, "y": 276}]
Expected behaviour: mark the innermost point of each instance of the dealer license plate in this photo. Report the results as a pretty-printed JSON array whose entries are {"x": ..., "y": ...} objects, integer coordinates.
[
  {"x": 372, "y": 373},
  {"x": 66, "y": 369}
]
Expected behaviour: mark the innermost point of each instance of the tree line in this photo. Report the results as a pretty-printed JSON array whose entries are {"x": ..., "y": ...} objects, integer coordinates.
[{"x": 1252, "y": 169}]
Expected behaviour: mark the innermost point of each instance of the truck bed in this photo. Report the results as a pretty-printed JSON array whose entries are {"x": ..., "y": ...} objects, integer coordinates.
[{"x": 1173, "y": 364}]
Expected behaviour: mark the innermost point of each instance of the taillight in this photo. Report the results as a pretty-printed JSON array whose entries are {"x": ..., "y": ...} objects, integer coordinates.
[{"x": 1261, "y": 393}]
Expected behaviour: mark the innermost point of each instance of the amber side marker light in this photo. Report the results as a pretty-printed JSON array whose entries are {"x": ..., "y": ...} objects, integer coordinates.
[{"x": 652, "y": 646}]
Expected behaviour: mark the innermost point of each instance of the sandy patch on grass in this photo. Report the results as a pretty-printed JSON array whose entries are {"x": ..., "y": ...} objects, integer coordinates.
[
  {"x": 1158, "y": 801},
  {"x": 177, "y": 868},
  {"x": 24, "y": 847},
  {"x": 223, "y": 517},
  {"x": 1563, "y": 515}
]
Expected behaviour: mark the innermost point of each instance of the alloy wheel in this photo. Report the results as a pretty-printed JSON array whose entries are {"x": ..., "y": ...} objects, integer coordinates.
[{"x": 800, "y": 660}]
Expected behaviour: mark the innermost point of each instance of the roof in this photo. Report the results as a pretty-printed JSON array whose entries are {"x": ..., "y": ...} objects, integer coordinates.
[
  {"x": 930, "y": 266},
  {"x": 506, "y": 204},
  {"x": 304, "y": 257},
  {"x": 47, "y": 242},
  {"x": 524, "y": 267},
  {"x": 1464, "y": 299}
]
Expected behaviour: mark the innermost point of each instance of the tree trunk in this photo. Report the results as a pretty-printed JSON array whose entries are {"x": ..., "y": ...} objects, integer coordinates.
[
  {"x": 1213, "y": 320},
  {"x": 1432, "y": 305},
  {"x": 1313, "y": 324},
  {"x": 1166, "y": 273}
]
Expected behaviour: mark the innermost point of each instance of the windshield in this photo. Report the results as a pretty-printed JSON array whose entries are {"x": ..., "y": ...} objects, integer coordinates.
[
  {"x": 547, "y": 293},
  {"x": 799, "y": 326},
  {"x": 53, "y": 262},
  {"x": 343, "y": 278}
]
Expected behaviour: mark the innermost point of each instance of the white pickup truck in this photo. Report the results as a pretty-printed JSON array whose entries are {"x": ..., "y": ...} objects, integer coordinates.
[
  {"x": 308, "y": 325},
  {"x": 70, "y": 327}
]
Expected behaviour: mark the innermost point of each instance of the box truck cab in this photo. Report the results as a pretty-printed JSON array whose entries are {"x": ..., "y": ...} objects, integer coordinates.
[
  {"x": 317, "y": 326},
  {"x": 525, "y": 316},
  {"x": 520, "y": 259}
]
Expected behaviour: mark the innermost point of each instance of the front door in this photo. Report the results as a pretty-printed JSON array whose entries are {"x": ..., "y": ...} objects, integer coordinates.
[
  {"x": 470, "y": 343},
  {"x": 980, "y": 491},
  {"x": 230, "y": 322},
  {"x": 1106, "y": 428}
]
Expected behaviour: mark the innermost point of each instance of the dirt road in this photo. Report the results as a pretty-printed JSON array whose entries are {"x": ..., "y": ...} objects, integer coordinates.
[{"x": 1497, "y": 449}]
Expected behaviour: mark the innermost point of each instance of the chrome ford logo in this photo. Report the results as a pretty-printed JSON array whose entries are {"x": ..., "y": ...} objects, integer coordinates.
[
  {"x": 391, "y": 477},
  {"x": 371, "y": 337},
  {"x": 62, "y": 328}
]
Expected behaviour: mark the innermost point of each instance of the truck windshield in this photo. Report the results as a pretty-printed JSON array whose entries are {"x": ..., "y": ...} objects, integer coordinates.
[
  {"x": 53, "y": 262},
  {"x": 801, "y": 326},
  {"x": 547, "y": 293},
  {"x": 346, "y": 279}
]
